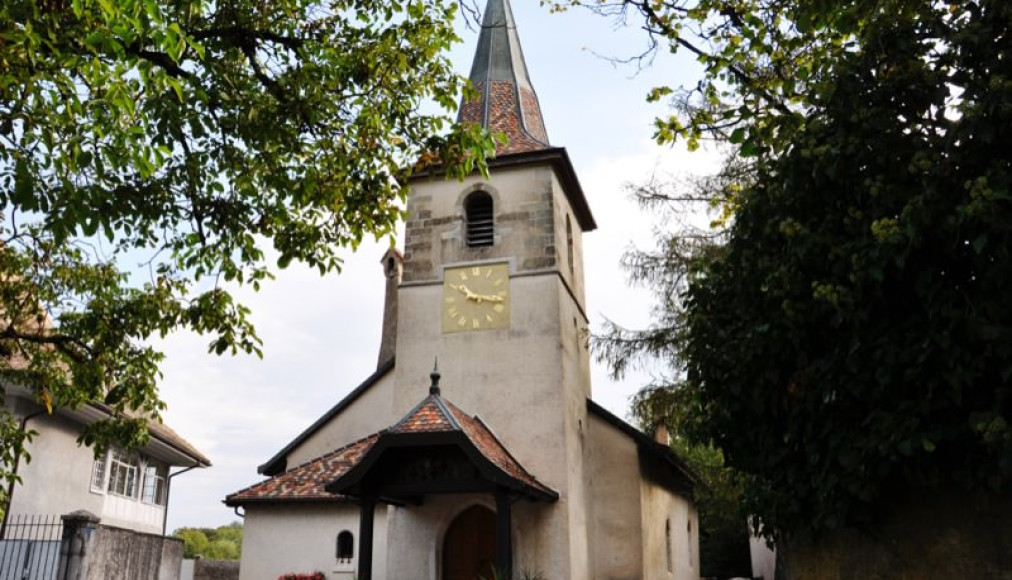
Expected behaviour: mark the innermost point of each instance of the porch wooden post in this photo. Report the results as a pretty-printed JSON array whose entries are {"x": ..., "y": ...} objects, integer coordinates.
[
  {"x": 503, "y": 532},
  {"x": 367, "y": 509}
]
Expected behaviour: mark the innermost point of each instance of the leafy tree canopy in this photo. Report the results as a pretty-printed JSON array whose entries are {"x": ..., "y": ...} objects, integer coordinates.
[
  {"x": 846, "y": 336},
  {"x": 202, "y": 141}
]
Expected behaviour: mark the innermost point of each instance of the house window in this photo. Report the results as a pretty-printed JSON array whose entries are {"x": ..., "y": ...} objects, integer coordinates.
[
  {"x": 569, "y": 243},
  {"x": 688, "y": 530},
  {"x": 98, "y": 473},
  {"x": 345, "y": 546},
  {"x": 123, "y": 473},
  {"x": 667, "y": 546},
  {"x": 154, "y": 484},
  {"x": 480, "y": 226}
]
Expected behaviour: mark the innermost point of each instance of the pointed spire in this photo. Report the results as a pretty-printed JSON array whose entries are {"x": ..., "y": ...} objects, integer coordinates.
[{"x": 506, "y": 99}]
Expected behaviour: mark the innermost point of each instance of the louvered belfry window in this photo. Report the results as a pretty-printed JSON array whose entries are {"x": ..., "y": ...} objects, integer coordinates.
[{"x": 480, "y": 226}]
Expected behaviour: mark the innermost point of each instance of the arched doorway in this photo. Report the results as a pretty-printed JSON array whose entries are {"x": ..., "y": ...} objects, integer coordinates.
[{"x": 469, "y": 545}]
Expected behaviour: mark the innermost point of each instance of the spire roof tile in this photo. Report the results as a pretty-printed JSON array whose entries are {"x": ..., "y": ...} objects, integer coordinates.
[{"x": 506, "y": 100}]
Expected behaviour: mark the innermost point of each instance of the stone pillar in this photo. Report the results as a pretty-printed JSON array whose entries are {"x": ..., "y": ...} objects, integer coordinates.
[{"x": 77, "y": 530}]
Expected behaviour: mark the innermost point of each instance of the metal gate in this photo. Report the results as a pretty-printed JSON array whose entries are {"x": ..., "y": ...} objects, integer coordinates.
[{"x": 30, "y": 547}]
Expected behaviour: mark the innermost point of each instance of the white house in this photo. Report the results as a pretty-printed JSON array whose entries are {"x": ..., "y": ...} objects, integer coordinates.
[
  {"x": 126, "y": 489},
  {"x": 500, "y": 459}
]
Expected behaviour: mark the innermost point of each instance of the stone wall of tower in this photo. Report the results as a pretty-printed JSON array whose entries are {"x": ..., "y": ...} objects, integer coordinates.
[{"x": 524, "y": 222}]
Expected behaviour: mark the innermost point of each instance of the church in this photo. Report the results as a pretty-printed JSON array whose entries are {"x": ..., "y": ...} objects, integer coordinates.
[{"x": 475, "y": 451}]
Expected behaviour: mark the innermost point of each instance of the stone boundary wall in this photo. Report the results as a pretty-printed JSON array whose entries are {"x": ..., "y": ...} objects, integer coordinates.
[
  {"x": 91, "y": 551},
  {"x": 923, "y": 536},
  {"x": 216, "y": 570}
]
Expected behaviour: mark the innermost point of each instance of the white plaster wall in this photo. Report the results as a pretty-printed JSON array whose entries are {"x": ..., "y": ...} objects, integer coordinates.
[
  {"x": 658, "y": 505},
  {"x": 576, "y": 376},
  {"x": 280, "y": 539},
  {"x": 367, "y": 414},
  {"x": 614, "y": 503},
  {"x": 186, "y": 570},
  {"x": 537, "y": 529},
  {"x": 57, "y": 479},
  {"x": 575, "y": 366}
]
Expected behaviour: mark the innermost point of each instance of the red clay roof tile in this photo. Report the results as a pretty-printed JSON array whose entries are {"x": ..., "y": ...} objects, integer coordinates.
[{"x": 493, "y": 449}]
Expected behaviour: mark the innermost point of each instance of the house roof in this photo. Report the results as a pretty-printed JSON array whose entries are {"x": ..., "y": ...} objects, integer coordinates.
[
  {"x": 506, "y": 101},
  {"x": 165, "y": 443},
  {"x": 433, "y": 421},
  {"x": 658, "y": 460},
  {"x": 279, "y": 463},
  {"x": 162, "y": 432},
  {"x": 173, "y": 447}
]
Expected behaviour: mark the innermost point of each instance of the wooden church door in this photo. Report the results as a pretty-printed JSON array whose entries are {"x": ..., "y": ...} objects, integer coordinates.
[{"x": 469, "y": 545}]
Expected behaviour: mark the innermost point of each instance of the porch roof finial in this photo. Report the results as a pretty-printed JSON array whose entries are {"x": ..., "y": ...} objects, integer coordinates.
[{"x": 434, "y": 375}]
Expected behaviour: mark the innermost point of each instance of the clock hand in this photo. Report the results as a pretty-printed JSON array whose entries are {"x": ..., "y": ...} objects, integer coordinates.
[
  {"x": 487, "y": 298},
  {"x": 465, "y": 291},
  {"x": 474, "y": 297}
]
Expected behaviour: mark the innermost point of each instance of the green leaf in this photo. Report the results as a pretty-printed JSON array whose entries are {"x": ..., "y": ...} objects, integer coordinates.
[
  {"x": 748, "y": 148},
  {"x": 24, "y": 185}
]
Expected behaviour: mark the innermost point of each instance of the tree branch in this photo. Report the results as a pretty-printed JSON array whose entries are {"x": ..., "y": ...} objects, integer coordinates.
[
  {"x": 240, "y": 36},
  {"x": 60, "y": 341},
  {"x": 667, "y": 31},
  {"x": 161, "y": 59}
]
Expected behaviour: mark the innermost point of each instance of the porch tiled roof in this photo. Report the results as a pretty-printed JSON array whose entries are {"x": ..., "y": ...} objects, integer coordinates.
[
  {"x": 435, "y": 414},
  {"x": 305, "y": 482}
]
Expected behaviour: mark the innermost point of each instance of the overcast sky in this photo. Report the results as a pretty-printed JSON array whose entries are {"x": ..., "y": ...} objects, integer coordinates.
[{"x": 321, "y": 335}]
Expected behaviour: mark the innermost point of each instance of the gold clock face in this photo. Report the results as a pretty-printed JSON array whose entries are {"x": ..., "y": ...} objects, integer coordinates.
[{"x": 476, "y": 298}]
